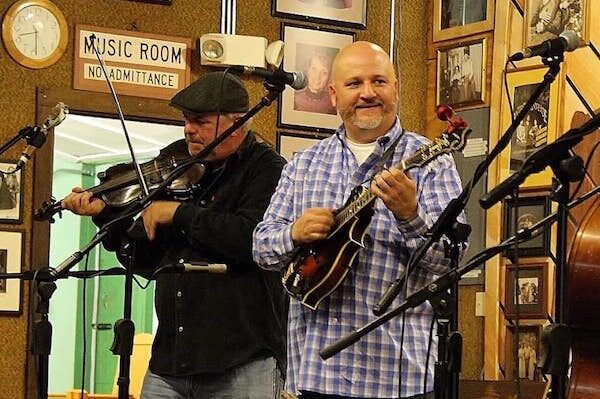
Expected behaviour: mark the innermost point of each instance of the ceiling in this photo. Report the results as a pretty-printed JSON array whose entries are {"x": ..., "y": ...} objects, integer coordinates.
[{"x": 90, "y": 139}]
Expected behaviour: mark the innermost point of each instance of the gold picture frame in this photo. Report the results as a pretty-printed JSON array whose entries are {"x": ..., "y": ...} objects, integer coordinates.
[
  {"x": 456, "y": 18},
  {"x": 547, "y": 19},
  {"x": 537, "y": 129}
]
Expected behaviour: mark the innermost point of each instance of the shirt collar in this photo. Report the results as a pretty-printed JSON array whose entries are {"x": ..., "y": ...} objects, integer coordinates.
[{"x": 389, "y": 137}]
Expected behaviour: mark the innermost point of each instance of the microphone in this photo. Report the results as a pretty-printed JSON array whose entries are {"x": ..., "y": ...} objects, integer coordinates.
[
  {"x": 38, "y": 137},
  {"x": 296, "y": 80},
  {"x": 205, "y": 267},
  {"x": 567, "y": 41}
]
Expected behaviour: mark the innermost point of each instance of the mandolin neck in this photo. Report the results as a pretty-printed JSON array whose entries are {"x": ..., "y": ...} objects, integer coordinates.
[{"x": 364, "y": 200}]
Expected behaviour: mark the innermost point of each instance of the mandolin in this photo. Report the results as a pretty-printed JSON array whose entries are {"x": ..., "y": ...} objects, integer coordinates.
[{"x": 316, "y": 270}]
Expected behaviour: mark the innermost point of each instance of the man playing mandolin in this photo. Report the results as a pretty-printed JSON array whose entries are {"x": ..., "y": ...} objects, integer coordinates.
[
  {"x": 364, "y": 89},
  {"x": 219, "y": 335}
]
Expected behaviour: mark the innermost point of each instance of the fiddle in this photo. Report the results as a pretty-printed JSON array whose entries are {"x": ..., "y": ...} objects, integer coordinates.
[{"x": 119, "y": 184}]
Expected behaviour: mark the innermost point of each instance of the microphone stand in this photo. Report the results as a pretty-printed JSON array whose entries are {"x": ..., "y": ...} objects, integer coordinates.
[{"x": 447, "y": 221}]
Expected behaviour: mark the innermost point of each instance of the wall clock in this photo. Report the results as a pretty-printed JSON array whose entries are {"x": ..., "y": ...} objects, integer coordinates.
[{"x": 35, "y": 33}]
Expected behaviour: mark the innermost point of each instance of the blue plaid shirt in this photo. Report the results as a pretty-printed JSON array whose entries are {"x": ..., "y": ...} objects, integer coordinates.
[{"x": 323, "y": 176}]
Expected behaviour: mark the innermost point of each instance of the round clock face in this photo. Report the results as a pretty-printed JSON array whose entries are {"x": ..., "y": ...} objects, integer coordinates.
[{"x": 36, "y": 32}]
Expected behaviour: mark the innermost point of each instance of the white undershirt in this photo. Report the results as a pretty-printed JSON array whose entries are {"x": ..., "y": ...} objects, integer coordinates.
[{"x": 361, "y": 151}]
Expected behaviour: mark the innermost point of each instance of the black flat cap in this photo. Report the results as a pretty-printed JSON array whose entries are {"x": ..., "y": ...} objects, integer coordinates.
[{"x": 212, "y": 92}]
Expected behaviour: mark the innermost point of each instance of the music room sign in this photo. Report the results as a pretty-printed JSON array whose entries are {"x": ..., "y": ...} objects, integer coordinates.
[{"x": 138, "y": 64}]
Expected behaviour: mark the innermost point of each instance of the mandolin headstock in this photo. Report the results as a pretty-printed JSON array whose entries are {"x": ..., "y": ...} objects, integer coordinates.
[{"x": 453, "y": 138}]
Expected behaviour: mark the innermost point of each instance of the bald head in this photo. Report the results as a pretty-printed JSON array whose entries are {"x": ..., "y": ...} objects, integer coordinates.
[
  {"x": 358, "y": 52},
  {"x": 364, "y": 89}
]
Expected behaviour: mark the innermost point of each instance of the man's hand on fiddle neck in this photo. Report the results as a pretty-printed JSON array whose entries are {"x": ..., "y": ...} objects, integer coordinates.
[{"x": 83, "y": 203}]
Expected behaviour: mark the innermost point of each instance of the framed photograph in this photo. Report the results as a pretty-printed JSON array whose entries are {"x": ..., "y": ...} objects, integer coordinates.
[
  {"x": 461, "y": 74},
  {"x": 529, "y": 292},
  {"x": 456, "y": 18},
  {"x": 11, "y": 256},
  {"x": 537, "y": 129},
  {"x": 547, "y": 19},
  {"x": 289, "y": 143},
  {"x": 11, "y": 197},
  {"x": 528, "y": 351},
  {"x": 312, "y": 51},
  {"x": 527, "y": 211},
  {"x": 350, "y": 13}
]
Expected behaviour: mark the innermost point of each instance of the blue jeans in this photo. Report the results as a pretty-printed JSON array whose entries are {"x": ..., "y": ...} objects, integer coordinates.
[{"x": 259, "y": 379}]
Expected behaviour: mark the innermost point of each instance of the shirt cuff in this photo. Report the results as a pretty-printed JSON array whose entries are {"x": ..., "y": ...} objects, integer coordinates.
[
  {"x": 184, "y": 216},
  {"x": 415, "y": 227}
]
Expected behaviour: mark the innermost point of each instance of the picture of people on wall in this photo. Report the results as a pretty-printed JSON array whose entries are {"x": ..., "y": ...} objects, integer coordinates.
[
  {"x": 316, "y": 62},
  {"x": 461, "y": 75},
  {"x": 547, "y": 19},
  {"x": 532, "y": 133},
  {"x": 10, "y": 193},
  {"x": 527, "y": 291}
]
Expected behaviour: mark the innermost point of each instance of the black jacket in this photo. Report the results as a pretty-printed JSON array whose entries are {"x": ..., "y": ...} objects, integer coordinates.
[{"x": 211, "y": 322}]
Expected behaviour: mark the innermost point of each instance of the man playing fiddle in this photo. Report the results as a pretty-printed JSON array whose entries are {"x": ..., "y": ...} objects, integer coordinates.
[{"x": 219, "y": 335}]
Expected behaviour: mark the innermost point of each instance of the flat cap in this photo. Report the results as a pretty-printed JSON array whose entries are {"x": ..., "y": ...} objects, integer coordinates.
[{"x": 212, "y": 92}]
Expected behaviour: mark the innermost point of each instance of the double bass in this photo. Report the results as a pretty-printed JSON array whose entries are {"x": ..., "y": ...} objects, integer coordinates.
[{"x": 582, "y": 304}]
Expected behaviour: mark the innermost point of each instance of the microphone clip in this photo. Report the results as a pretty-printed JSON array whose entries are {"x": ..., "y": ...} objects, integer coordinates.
[{"x": 34, "y": 136}]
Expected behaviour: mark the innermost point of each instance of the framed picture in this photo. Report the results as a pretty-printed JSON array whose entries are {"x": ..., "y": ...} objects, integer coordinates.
[
  {"x": 547, "y": 19},
  {"x": 461, "y": 73},
  {"x": 312, "y": 51},
  {"x": 528, "y": 351},
  {"x": 11, "y": 250},
  {"x": 289, "y": 143},
  {"x": 527, "y": 211},
  {"x": 536, "y": 130},
  {"x": 528, "y": 292},
  {"x": 456, "y": 18},
  {"x": 11, "y": 197},
  {"x": 350, "y": 13}
]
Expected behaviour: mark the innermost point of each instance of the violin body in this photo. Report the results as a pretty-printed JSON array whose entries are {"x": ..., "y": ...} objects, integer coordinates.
[{"x": 119, "y": 185}]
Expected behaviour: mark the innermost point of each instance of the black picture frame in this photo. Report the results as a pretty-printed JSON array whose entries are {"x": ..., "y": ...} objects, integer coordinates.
[
  {"x": 354, "y": 16},
  {"x": 529, "y": 210},
  {"x": 11, "y": 193},
  {"x": 306, "y": 46},
  {"x": 288, "y": 143}
]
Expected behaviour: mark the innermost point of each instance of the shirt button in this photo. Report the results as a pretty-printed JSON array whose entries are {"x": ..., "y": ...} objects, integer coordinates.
[
  {"x": 180, "y": 329},
  {"x": 179, "y": 294}
]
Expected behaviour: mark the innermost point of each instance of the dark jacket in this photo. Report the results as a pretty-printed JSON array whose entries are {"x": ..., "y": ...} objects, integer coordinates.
[{"x": 211, "y": 322}]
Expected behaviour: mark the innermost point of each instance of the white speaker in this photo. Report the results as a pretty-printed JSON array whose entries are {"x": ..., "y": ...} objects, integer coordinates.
[{"x": 218, "y": 49}]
